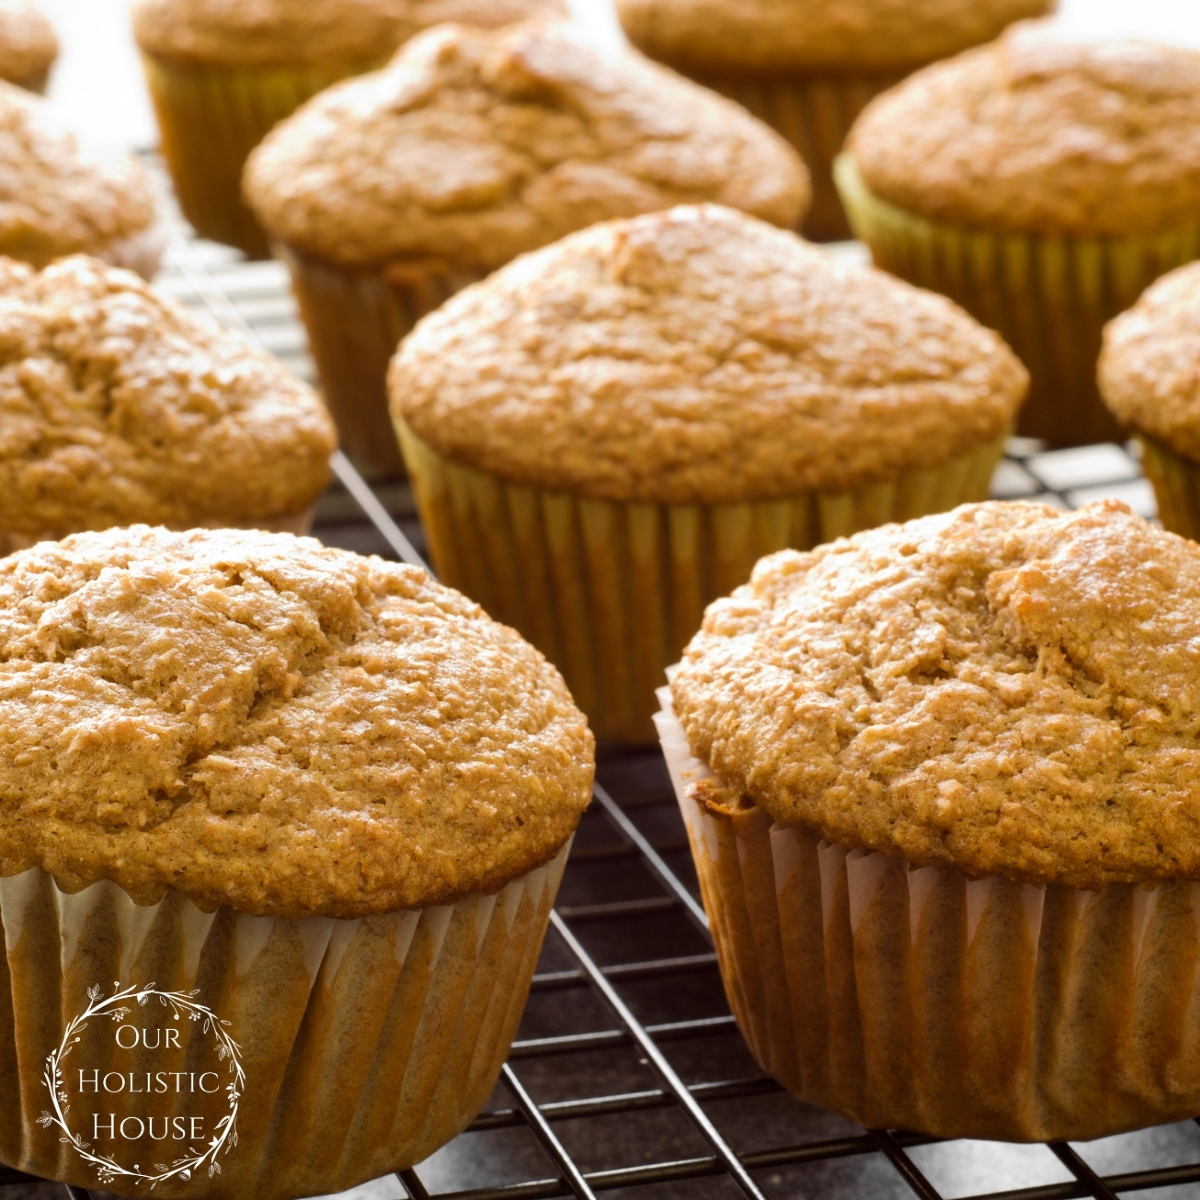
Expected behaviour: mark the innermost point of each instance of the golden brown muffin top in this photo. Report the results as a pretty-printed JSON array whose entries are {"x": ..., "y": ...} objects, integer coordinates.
[
  {"x": 474, "y": 146},
  {"x": 117, "y": 406},
  {"x": 57, "y": 199},
  {"x": 836, "y": 35},
  {"x": 258, "y": 721},
  {"x": 28, "y": 45},
  {"x": 700, "y": 356},
  {"x": 1149, "y": 369},
  {"x": 1039, "y": 133},
  {"x": 1006, "y": 689},
  {"x": 256, "y": 33}
]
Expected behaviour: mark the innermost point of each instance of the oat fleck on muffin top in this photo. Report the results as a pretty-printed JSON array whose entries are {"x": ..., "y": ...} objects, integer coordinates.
[
  {"x": 1150, "y": 366},
  {"x": 117, "y": 406},
  {"x": 258, "y": 33},
  {"x": 28, "y": 45},
  {"x": 853, "y": 35},
  {"x": 1007, "y": 689},
  {"x": 1041, "y": 133},
  {"x": 700, "y": 356},
  {"x": 258, "y": 721},
  {"x": 474, "y": 146}
]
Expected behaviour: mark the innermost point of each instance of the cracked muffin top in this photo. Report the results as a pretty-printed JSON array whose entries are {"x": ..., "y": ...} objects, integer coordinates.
[
  {"x": 57, "y": 199},
  {"x": 863, "y": 35},
  {"x": 700, "y": 356},
  {"x": 117, "y": 406},
  {"x": 1042, "y": 133},
  {"x": 1149, "y": 370},
  {"x": 319, "y": 32},
  {"x": 1006, "y": 689},
  {"x": 474, "y": 146},
  {"x": 256, "y": 720},
  {"x": 28, "y": 45}
]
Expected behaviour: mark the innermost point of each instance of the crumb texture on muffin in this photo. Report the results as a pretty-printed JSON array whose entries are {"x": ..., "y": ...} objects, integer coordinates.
[
  {"x": 1006, "y": 689},
  {"x": 57, "y": 198},
  {"x": 256, "y": 720},
  {"x": 856, "y": 35},
  {"x": 255, "y": 33},
  {"x": 118, "y": 407},
  {"x": 1041, "y": 133},
  {"x": 28, "y": 45},
  {"x": 473, "y": 146},
  {"x": 1150, "y": 366},
  {"x": 700, "y": 356}
]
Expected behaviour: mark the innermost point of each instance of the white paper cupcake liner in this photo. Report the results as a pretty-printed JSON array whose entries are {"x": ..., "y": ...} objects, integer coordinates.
[{"x": 921, "y": 999}]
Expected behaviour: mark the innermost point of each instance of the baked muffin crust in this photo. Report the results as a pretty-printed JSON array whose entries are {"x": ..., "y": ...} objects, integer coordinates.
[
  {"x": 700, "y": 356},
  {"x": 28, "y": 45},
  {"x": 274, "y": 32},
  {"x": 56, "y": 199},
  {"x": 1149, "y": 370},
  {"x": 116, "y": 406},
  {"x": 256, "y": 720},
  {"x": 474, "y": 146},
  {"x": 861, "y": 35},
  {"x": 1005, "y": 689},
  {"x": 1039, "y": 133}
]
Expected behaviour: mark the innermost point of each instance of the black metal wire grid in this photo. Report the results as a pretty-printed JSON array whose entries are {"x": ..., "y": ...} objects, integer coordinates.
[{"x": 628, "y": 1072}]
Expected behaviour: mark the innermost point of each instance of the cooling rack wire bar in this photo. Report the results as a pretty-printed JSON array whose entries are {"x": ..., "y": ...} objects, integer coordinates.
[{"x": 628, "y": 1075}]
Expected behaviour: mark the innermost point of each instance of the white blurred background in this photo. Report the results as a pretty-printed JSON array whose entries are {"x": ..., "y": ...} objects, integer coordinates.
[{"x": 97, "y": 85}]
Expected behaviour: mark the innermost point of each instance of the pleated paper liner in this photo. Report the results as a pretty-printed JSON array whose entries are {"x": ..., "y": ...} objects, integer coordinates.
[
  {"x": 355, "y": 319},
  {"x": 1048, "y": 297},
  {"x": 298, "y": 523},
  {"x": 210, "y": 118},
  {"x": 1176, "y": 482},
  {"x": 921, "y": 999},
  {"x": 814, "y": 113},
  {"x": 364, "y": 1045},
  {"x": 611, "y": 592}
]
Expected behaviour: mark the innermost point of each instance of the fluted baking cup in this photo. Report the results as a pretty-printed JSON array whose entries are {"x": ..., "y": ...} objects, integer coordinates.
[
  {"x": 355, "y": 320},
  {"x": 611, "y": 592},
  {"x": 814, "y": 113},
  {"x": 211, "y": 117},
  {"x": 1176, "y": 482},
  {"x": 1048, "y": 297},
  {"x": 923, "y": 999},
  {"x": 219, "y": 1056}
]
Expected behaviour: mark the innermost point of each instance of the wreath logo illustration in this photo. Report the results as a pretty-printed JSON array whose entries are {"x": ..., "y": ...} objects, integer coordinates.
[{"x": 115, "y": 1008}]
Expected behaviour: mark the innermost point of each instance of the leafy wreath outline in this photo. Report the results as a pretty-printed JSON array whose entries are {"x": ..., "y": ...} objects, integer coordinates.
[{"x": 181, "y": 1003}]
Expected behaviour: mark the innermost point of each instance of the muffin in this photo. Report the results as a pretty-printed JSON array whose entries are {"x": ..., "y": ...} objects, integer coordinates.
[
  {"x": 57, "y": 198},
  {"x": 939, "y": 781},
  {"x": 388, "y": 193},
  {"x": 309, "y": 811},
  {"x": 1149, "y": 376},
  {"x": 222, "y": 73},
  {"x": 28, "y": 46},
  {"x": 807, "y": 67},
  {"x": 607, "y": 434},
  {"x": 1042, "y": 182},
  {"x": 117, "y": 407}
]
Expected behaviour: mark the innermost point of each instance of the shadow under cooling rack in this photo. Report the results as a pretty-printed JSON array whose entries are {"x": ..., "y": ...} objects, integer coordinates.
[{"x": 628, "y": 1076}]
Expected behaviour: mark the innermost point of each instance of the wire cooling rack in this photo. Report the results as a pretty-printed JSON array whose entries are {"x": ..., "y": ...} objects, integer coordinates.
[{"x": 628, "y": 1076}]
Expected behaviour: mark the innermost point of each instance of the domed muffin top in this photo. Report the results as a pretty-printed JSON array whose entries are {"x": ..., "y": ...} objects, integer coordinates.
[
  {"x": 117, "y": 406},
  {"x": 862, "y": 35},
  {"x": 700, "y": 356},
  {"x": 1150, "y": 366},
  {"x": 57, "y": 199},
  {"x": 1042, "y": 133},
  {"x": 257, "y": 33},
  {"x": 1006, "y": 689},
  {"x": 255, "y": 720},
  {"x": 473, "y": 146},
  {"x": 28, "y": 45}
]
